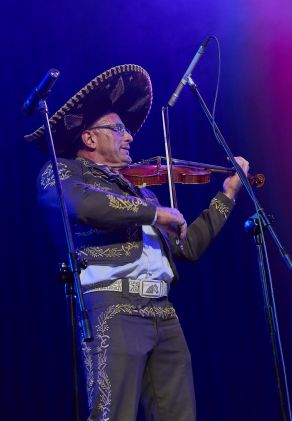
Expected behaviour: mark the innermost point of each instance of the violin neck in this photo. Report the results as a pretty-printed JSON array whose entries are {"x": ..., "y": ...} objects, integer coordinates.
[{"x": 161, "y": 160}]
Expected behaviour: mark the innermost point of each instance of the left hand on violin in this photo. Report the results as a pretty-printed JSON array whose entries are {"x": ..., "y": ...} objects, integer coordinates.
[{"x": 232, "y": 184}]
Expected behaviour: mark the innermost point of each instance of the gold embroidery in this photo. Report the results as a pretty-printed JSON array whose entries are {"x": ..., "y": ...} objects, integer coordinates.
[
  {"x": 48, "y": 178},
  {"x": 87, "y": 233},
  {"x": 150, "y": 199},
  {"x": 102, "y": 349},
  {"x": 167, "y": 312},
  {"x": 96, "y": 173},
  {"x": 114, "y": 286},
  {"x": 220, "y": 206},
  {"x": 124, "y": 250},
  {"x": 101, "y": 187},
  {"x": 86, "y": 350},
  {"x": 130, "y": 205}
]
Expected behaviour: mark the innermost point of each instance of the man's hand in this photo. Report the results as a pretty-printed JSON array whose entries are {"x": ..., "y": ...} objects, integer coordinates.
[
  {"x": 171, "y": 220},
  {"x": 232, "y": 185}
]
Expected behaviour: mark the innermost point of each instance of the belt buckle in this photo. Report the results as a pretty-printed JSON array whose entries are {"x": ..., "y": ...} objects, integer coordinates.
[{"x": 150, "y": 289}]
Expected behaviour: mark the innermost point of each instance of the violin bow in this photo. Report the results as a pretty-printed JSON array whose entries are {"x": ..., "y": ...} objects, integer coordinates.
[{"x": 166, "y": 135}]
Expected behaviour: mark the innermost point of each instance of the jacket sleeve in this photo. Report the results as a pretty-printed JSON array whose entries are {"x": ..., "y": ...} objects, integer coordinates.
[
  {"x": 203, "y": 230},
  {"x": 87, "y": 204}
]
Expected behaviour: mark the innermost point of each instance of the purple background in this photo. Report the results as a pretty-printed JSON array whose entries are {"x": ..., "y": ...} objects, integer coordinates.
[{"x": 219, "y": 299}]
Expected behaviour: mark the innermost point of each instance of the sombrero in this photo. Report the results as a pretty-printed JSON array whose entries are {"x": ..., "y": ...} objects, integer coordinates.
[{"x": 124, "y": 89}]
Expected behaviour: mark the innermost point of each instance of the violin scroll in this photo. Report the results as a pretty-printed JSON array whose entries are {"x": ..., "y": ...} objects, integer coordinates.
[{"x": 257, "y": 180}]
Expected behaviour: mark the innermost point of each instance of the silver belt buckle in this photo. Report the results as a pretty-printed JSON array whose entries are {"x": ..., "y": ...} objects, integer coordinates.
[{"x": 152, "y": 289}]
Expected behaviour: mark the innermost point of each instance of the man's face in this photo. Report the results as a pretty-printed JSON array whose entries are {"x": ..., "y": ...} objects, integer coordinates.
[{"x": 112, "y": 144}]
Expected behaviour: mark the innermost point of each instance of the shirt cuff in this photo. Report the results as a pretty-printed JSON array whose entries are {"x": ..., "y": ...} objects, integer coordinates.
[{"x": 154, "y": 219}]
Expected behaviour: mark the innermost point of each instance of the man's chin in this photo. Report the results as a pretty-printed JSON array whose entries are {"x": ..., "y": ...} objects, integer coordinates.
[
  {"x": 123, "y": 163},
  {"x": 127, "y": 160}
]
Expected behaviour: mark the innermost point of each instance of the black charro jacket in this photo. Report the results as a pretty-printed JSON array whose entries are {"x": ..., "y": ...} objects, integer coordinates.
[{"x": 107, "y": 213}]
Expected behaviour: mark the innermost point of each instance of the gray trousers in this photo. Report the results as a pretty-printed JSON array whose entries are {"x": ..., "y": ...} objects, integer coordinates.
[{"x": 139, "y": 353}]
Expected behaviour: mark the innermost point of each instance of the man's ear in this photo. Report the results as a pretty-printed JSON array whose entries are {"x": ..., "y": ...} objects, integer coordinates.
[{"x": 88, "y": 139}]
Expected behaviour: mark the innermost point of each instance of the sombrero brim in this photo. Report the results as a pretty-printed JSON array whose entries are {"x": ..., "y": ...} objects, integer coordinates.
[{"x": 124, "y": 89}]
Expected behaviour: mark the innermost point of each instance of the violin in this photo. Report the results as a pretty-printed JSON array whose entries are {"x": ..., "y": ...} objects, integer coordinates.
[{"x": 152, "y": 172}]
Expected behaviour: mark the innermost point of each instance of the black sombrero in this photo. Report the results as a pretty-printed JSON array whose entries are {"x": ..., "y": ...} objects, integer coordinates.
[{"x": 124, "y": 89}]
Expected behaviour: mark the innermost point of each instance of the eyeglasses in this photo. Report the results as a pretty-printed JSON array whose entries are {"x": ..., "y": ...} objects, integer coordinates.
[{"x": 118, "y": 128}]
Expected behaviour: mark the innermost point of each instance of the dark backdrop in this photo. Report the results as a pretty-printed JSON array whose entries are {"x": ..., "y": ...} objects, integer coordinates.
[{"x": 219, "y": 299}]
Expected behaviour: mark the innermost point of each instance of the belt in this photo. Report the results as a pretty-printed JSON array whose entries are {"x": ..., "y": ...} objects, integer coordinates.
[{"x": 148, "y": 288}]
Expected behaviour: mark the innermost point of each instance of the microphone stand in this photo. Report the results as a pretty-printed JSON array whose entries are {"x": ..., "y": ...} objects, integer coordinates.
[
  {"x": 69, "y": 273},
  {"x": 260, "y": 221}
]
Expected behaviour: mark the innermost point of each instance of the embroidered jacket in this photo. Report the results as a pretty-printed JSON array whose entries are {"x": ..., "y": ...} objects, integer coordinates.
[{"x": 107, "y": 212}]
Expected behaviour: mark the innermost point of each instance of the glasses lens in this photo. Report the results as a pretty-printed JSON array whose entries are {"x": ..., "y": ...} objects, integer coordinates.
[{"x": 121, "y": 128}]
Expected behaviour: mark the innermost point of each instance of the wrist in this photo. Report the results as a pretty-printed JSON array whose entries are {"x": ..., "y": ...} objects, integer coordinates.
[{"x": 231, "y": 195}]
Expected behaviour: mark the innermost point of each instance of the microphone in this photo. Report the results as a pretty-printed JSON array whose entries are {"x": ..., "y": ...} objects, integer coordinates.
[
  {"x": 40, "y": 92},
  {"x": 191, "y": 67}
]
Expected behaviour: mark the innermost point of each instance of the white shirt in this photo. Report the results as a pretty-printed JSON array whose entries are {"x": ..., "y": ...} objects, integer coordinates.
[{"x": 153, "y": 264}]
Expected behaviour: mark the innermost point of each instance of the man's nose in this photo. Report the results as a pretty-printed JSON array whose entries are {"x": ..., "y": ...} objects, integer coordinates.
[{"x": 128, "y": 137}]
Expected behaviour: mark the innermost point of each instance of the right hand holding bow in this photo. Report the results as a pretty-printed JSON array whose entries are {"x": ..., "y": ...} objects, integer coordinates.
[{"x": 171, "y": 220}]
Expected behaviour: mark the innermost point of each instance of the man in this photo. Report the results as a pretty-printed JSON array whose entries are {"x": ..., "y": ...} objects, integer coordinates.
[{"x": 128, "y": 242}]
